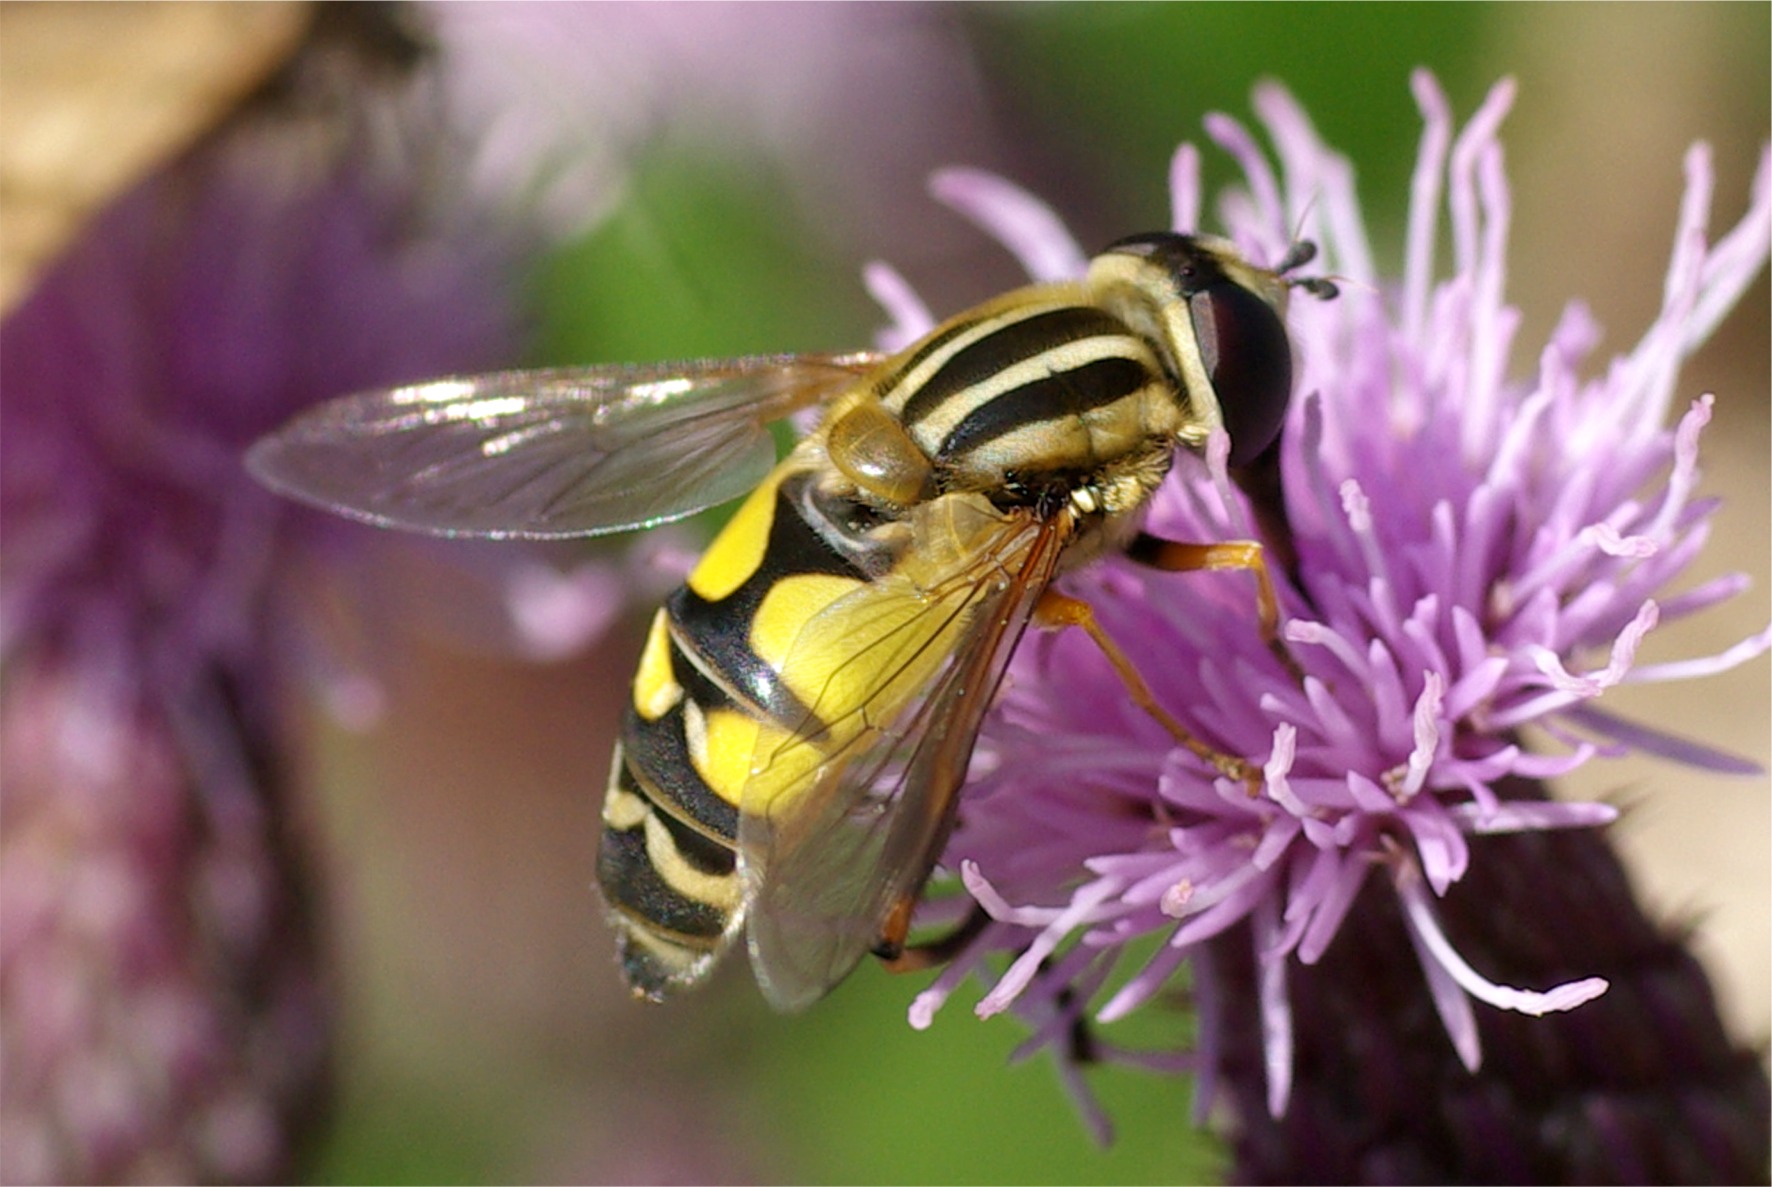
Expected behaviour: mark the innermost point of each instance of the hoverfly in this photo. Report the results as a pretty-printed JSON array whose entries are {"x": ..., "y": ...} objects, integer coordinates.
[{"x": 806, "y": 704}]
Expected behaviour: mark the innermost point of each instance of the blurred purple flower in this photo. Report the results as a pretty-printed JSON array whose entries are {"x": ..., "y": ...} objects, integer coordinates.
[
  {"x": 162, "y": 986},
  {"x": 1475, "y": 556}
]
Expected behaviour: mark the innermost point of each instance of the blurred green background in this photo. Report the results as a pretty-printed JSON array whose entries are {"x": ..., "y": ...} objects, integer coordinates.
[{"x": 486, "y": 1035}]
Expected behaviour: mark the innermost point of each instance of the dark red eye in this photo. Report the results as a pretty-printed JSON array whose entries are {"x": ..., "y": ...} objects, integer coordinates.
[{"x": 1249, "y": 360}]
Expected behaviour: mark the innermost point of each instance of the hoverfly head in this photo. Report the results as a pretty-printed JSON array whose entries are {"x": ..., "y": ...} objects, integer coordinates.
[{"x": 1218, "y": 322}]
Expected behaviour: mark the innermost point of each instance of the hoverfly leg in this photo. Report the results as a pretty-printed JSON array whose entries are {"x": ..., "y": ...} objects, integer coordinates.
[
  {"x": 890, "y": 947},
  {"x": 1056, "y": 611},
  {"x": 919, "y": 957},
  {"x": 1174, "y": 556}
]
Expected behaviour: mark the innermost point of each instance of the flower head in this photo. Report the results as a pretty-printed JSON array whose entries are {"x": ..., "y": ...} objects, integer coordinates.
[{"x": 1476, "y": 555}]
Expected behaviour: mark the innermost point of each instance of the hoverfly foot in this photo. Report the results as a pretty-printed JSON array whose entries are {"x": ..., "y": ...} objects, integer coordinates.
[
  {"x": 894, "y": 930},
  {"x": 1232, "y": 767},
  {"x": 919, "y": 957}
]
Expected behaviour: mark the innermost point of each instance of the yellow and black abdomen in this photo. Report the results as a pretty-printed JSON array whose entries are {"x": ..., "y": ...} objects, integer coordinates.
[{"x": 710, "y": 692}]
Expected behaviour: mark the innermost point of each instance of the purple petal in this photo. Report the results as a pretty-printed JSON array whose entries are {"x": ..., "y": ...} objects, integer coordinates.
[
  {"x": 1017, "y": 219},
  {"x": 1663, "y": 745},
  {"x": 1276, "y": 1011},
  {"x": 911, "y": 318}
]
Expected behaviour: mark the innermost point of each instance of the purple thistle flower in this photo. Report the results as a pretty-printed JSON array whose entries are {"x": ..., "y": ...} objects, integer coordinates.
[
  {"x": 162, "y": 985},
  {"x": 1476, "y": 560}
]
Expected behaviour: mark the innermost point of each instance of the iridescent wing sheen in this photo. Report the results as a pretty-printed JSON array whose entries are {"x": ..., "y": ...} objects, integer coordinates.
[
  {"x": 828, "y": 862},
  {"x": 572, "y": 452}
]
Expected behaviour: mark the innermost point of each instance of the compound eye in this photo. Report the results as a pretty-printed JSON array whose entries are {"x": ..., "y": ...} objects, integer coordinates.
[{"x": 1248, "y": 357}]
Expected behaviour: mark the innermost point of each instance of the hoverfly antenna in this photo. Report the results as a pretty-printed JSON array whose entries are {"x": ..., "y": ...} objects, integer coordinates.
[{"x": 1302, "y": 252}]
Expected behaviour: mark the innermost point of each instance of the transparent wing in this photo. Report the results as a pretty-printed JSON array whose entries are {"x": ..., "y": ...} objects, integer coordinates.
[
  {"x": 570, "y": 452},
  {"x": 826, "y": 864}
]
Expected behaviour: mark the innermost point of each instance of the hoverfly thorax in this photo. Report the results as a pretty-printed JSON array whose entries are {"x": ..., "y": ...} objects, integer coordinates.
[{"x": 1217, "y": 323}]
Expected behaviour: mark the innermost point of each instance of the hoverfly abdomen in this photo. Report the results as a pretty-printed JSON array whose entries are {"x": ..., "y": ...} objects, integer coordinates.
[
  {"x": 718, "y": 663},
  {"x": 665, "y": 862},
  {"x": 680, "y": 886}
]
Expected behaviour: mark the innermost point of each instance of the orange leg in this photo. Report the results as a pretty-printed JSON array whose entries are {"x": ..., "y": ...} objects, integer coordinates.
[
  {"x": 895, "y": 930},
  {"x": 1056, "y": 611},
  {"x": 915, "y": 958},
  {"x": 1175, "y": 557}
]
